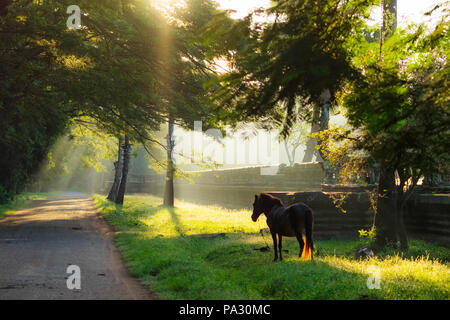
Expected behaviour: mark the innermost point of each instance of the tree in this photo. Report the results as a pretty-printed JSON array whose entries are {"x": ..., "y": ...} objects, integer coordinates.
[
  {"x": 400, "y": 108},
  {"x": 297, "y": 56},
  {"x": 297, "y": 137},
  {"x": 124, "y": 176},
  {"x": 169, "y": 194},
  {"x": 95, "y": 71},
  {"x": 26, "y": 92},
  {"x": 290, "y": 68},
  {"x": 389, "y": 223},
  {"x": 177, "y": 64},
  {"x": 184, "y": 98},
  {"x": 112, "y": 195}
]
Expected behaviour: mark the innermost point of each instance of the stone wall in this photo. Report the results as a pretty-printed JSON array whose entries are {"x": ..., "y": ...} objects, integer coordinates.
[
  {"x": 301, "y": 175},
  {"x": 329, "y": 221},
  {"x": 234, "y": 188},
  {"x": 428, "y": 216}
]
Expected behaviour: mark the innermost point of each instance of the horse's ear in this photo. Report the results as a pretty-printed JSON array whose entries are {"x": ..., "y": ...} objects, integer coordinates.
[{"x": 256, "y": 197}]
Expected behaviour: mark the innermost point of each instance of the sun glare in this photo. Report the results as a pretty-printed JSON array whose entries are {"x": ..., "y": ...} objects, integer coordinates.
[
  {"x": 408, "y": 10},
  {"x": 242, "y": 8}
]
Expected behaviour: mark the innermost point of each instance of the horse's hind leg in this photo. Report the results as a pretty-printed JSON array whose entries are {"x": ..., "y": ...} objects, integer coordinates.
[
  {"x": 300, "y": 242},
  {"x": 274, "y": 237}
]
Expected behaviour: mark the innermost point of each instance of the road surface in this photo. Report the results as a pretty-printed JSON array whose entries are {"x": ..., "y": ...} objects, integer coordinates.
[{"x": 39, "y": 243}]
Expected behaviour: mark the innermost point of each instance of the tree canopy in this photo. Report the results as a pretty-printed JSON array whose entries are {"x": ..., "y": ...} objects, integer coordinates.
[
  {"x": 284, "y": 65},
  {"x": 128, "y": 67}
]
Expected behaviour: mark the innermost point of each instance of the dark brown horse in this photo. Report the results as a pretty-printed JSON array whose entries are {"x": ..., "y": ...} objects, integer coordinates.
[{"x": 286, "y": 221}]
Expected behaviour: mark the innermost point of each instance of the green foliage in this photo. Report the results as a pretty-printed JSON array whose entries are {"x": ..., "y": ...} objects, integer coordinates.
[
  {"x": 397, "y": 109},
  {"x": 33, "y": 112},
  {"x": 93, "y": 145},
  {"x": 399, "y": 106},
  {"x": 339, "y": 147},
  {"x": 370, "y": 234},
  {"x": 43, "y": 84},
  {"x": 77, "y": 156},
  {"x": 282, "y": 67},
  {"x": 339, "y": 200},
  {"x": 367, "y": 237},
  {"x": 127, "y": 68}
]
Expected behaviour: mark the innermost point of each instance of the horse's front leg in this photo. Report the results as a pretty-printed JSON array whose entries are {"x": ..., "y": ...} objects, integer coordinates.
[
  {"x": 274, "y": 237},
  {"x": 280, "y": 240}
]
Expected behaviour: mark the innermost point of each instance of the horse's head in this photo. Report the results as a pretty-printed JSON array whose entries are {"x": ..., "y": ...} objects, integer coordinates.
[
  {"x": 264, "y": 203},
  {"x": 257, "y": 208}
]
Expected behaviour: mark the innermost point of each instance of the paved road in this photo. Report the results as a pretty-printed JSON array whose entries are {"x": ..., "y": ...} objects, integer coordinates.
[{"x": 38, "y": 243}]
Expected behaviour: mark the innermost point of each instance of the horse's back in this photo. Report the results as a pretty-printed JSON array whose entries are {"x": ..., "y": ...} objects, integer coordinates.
[
  {"x": 291, "y": 220},
  {"x": 299, "y": 207}
]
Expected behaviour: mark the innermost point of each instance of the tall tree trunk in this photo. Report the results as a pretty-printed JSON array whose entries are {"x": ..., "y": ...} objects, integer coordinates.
[
  {"x": 389, "y": 23},
  {"x": 324, "y": 121},
  {"x": 288, "y": 153},
  {"x": 169, "y": 196},
  {"x": 401, "y": 229},
  {"x": 117, "y": 173},
  {"x": 320, "y": 120},
  {"x": 325, "y": 111},
  {"x": 386, "y": 219},
  {"x": 311, "y": 150},
  {"x": 123, "y": 180},
  {"x": 389, "y": 221}
]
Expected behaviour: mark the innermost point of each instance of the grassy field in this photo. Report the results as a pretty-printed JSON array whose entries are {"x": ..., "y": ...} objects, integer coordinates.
[
  {"x": 159, "y": 248},
  {"x": 21, "y": 200}
]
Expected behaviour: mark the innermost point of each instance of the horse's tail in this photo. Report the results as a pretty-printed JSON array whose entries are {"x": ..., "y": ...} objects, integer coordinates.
[{"x": 307, "y": 253}]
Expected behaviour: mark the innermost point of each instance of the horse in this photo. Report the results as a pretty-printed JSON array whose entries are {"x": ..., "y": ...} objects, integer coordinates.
[{"x": 286, "y": 221}]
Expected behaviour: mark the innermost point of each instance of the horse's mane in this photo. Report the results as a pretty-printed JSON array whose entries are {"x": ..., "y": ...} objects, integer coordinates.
[{"x": 270, "y": 198}]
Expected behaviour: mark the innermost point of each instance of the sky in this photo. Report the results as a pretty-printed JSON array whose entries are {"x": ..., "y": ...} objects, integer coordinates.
[
  {"x": 408, "y": 10},
  {"x": 243, "y": 7},
  {"x": 414, "y": 9}
]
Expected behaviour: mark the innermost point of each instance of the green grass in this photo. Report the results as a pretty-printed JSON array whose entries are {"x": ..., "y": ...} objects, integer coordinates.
[
  {"x": 156, "y": 244},
  {"x": 22, "y": 200}
]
